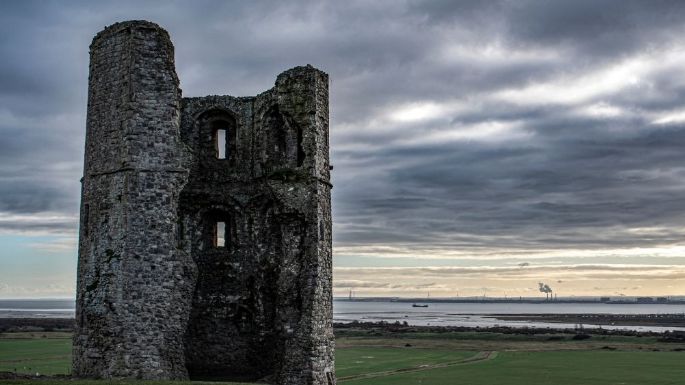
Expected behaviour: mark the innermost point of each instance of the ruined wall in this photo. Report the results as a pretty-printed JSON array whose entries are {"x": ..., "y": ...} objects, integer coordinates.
[
  {"x": 133, "y": 282},
  {"x": 192, "y": 265},
  {"x": 262, "y": 305}
]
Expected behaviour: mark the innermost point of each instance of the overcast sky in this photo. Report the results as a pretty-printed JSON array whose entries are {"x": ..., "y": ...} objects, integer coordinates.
[{"x": 479, "y": 146}]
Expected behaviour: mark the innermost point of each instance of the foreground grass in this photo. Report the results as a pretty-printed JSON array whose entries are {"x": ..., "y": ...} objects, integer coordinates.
[
  {"x": 40, "y": 355},
  {"x": 553, "y": 368},
  {"x": 354, "y": 361},
  {"x": 468, "y": 358}
]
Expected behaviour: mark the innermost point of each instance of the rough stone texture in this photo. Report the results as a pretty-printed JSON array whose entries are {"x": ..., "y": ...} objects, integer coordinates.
[{"x": 158, "y": 297}]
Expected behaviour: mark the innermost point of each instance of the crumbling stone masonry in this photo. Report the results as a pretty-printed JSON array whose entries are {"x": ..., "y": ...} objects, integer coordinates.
[{"x": 205, "y": 240}]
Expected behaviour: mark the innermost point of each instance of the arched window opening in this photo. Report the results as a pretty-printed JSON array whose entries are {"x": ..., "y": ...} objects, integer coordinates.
[
  {"x": 219, "y": 133},
  {"x": 284, "y": 140}
]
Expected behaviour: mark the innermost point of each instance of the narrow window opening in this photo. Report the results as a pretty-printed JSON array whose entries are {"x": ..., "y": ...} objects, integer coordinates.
[
  {"x": 279, "y": 145},
  {"x": 300, "y": 151},
  {"x": 220, "y": 234},
  {"x": 217, "y": 230},
  {"x": 219, "y": 133},
  {"x": 86, "y": 216},
  {"x": 220, "y": 142},
  {"x": 180, "y": 230}
]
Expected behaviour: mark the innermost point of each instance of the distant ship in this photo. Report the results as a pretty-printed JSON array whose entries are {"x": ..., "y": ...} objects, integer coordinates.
[{"x": 418, "y": 305}]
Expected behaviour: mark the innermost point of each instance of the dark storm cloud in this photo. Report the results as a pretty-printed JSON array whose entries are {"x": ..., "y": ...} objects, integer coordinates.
[
  {"x": 564, "y": 191},
  {"x": 578, "y": 163},
  {"x": 605, "y": 28}
]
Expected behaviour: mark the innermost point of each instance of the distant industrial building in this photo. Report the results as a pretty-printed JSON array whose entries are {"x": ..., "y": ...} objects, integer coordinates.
[{"x": 645, "y": 300}]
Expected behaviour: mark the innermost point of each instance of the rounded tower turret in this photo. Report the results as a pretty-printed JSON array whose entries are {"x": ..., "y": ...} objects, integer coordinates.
[{"x": 133, "y": 282}]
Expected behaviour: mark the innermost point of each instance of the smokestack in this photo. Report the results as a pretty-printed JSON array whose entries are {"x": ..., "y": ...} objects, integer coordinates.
[{"x": 544, "y": 288}]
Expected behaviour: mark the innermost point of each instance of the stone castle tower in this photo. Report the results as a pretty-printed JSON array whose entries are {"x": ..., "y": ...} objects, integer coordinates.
[{"x": 205, "y": 238}]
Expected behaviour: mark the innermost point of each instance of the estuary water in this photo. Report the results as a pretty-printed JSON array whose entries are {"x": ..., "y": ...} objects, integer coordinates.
[
  {"x": 481, "y": 314},
  {"x": 436, "y": 314},
  {"x": 37, "y": 308}
]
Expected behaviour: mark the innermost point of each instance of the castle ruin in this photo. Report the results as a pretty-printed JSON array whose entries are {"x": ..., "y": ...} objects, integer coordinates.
[{"x": 205, "y": 238}]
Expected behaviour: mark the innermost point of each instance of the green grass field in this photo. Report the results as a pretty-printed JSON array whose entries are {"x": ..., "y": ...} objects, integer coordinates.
[
  {"x": 35, "y": 355},
  {"x": 552, "y": 368},
  {"x": 471, "y": 359},
  {"x": 361, "y": 360}
]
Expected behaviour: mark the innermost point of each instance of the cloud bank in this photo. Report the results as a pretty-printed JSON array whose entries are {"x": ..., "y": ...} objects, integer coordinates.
[{"x": 458, "y": 129}]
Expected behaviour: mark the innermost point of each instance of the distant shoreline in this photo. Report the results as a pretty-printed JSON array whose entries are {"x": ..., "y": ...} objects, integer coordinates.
[
  {"x": 513, "y": 300},
  {"x": 660, "y": 320},
  {"x": 399, "y": 328},
  {"x": 585, "y": 322},
  {"x": 461, "y": 312}
]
